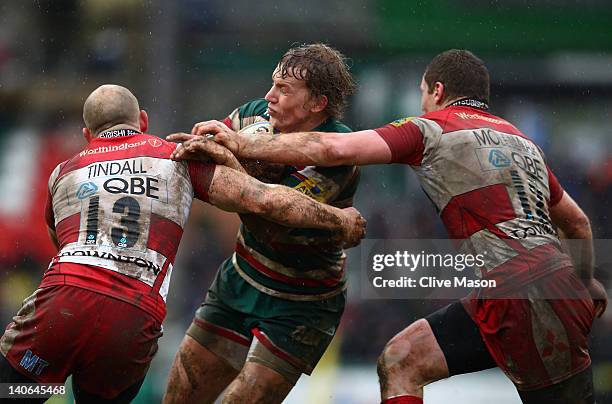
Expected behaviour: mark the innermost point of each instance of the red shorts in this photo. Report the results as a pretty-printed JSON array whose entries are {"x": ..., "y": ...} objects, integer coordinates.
[
  {"x": 105, "y": 343},
  {"x": 536, "y": 341}
]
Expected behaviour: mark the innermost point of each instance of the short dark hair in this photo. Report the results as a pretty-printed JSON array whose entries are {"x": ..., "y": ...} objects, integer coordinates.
[
  {"x": 325, "y": 71},
  {"x": 462, "y": 73}
]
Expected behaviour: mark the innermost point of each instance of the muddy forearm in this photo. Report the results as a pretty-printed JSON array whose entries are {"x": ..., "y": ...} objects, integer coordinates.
[{"x": 305, "y": 148}]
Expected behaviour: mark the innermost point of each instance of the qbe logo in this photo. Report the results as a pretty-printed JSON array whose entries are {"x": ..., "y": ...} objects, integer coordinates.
[
  {"x": 498, "y": 159},
  {"x": 86, "y": 190}
]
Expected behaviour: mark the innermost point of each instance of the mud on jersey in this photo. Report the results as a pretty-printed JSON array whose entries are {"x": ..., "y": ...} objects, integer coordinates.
[
  {"x": 490, "y": 184},
  {"x": 300, "y": 266},
  {"x": 119, "y": 208}
]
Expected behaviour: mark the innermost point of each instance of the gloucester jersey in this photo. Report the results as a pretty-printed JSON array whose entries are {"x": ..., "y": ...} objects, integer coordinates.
[
  {"x": 119, "y": 208},
  {"x": 490, "y": 185}
]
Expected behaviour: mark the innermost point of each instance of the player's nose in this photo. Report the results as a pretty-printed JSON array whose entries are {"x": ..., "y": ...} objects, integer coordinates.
[{"x": 271, "y": 95}]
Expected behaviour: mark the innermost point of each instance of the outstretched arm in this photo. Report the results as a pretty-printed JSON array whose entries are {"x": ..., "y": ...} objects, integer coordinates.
[
  {"x": 197, "y": 148},
  {"x": 304, "y": 148},
  {"x": 237, "y": 192}
]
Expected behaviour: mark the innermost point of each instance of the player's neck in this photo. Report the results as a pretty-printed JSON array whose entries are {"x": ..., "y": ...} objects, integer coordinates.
[
  {"x": 118, "y": 127},
  {"x": 450, "y": 101},
  {"x": 310, "y": 123}
]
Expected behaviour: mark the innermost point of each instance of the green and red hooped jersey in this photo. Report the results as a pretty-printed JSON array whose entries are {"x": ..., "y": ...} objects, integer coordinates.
[{"x": 302, "y": 265}]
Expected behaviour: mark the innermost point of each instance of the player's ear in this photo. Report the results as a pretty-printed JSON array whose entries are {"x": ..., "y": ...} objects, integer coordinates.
[
  {"x": 144, "y": 121},
  {"x": 87, "y": 135},
  {"x": 319, "y": 104},
  {"x": 438, "y": 92}
]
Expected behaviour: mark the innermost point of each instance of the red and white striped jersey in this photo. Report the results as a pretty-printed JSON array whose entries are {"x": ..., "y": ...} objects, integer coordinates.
[
  {"x": 490, "y": 184},
  {"x": 119, "y": 208}
]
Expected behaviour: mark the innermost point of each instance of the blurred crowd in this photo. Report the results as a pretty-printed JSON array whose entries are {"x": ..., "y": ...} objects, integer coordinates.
[{"x": 187, "y": 66}]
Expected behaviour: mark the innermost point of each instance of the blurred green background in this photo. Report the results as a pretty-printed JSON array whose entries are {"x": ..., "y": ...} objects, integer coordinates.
[{"x": 189, "y": 60}]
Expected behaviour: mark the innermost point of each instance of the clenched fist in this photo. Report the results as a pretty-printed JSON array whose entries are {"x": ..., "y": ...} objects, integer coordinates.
[{"x": 354, "y": 227}]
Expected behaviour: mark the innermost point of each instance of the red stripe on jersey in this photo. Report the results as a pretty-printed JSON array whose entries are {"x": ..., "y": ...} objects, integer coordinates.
[
  {"x": 119, "y": 148},
  {"x": 67, "y": 230},
  {"x": 476, "y": 210},
  {"x": 160, "y": 278},
  {"x": 526, "y": 267},
  {"x": 49, "y": 216},
  {"x": 164, "y": 236},
  {"x": 224, "y": 332},
  {"x": 244, "y": 254},
  {"x": 227, "y": 122},
  {"x": 107, "y": 282},
  {"x": 405, "y": 142},
  {"x": 263, "y": 338},
  {"x": 556, "y": 191},
  {"x": 299, "y": 176},
  {"x": 201, "y": 176}
]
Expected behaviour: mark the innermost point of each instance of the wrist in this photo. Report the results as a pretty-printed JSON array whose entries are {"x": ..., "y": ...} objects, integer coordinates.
[{"x": 242, "y": 143}]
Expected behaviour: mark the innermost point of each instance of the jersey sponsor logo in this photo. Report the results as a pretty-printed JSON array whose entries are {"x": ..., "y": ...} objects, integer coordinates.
[
  {"x": 488, "y": 137},
  {"x": 33, "y": 363},
  {"x": 148, "y": 186},
  {"x": 402, "y": 121},
  {"x": 311, "y": 188},
  {"x": 155, "y": 142},
  {"x": 114, "y": 148},
  {"x": 470, "y": 102},
  {"x": 130, "y": 166},
  {"x": 118, "y": 133},
  {"x": 529, "y": 164},
  {"x": 139, "y": 262},
  {"x": 465, "y": 115},
  {"x": 498, "y": 159},
  {"x": 534, "y": 230},
  {"x": 86, "y": 190}
]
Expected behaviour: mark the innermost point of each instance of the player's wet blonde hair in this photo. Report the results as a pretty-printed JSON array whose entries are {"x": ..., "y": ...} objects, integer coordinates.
[{"x": 325, "y": 71}]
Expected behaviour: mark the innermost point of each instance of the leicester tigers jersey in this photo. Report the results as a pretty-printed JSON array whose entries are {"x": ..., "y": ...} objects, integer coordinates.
[{"x": 302, "y": 264}]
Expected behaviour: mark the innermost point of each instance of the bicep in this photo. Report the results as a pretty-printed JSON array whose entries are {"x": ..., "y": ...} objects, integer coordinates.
[
  {"x": 567, "y": 215},
  {"x": 361, "y": 148}
]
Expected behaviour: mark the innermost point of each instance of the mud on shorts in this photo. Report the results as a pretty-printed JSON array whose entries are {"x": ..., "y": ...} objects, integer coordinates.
[
  {"x": 537, "y": 342},
  {"x": 290, "y": 336},
  {"x": 104, "y": 343}
]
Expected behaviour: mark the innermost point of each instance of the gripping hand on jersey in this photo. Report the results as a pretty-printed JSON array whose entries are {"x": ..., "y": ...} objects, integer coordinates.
[
  {"x": 202, "y": 149},
  {"x": 220, "y": 134}
]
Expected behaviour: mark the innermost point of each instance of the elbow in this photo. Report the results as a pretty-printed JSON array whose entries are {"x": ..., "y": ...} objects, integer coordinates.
[
  {"x": 579, "y": 228},
  {"x": 334, "y": 152},
  {"x": 583, "y": 227}
]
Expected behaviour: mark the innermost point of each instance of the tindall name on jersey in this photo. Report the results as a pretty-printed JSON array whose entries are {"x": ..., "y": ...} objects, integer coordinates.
[{"x": 131, "y": 166}]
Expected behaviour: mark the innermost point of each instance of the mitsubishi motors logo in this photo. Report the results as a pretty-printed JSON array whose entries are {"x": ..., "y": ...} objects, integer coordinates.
[{"x": 155, "y": 142}]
